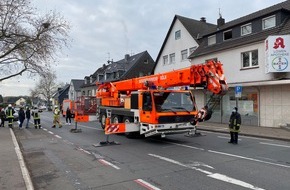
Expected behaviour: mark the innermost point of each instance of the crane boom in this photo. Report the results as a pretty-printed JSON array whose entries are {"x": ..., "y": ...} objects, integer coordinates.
[{"x": 209, "y": 76}]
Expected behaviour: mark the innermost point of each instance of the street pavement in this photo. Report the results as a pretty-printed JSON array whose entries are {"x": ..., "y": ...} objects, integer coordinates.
[{"x": 14, "y": 175}]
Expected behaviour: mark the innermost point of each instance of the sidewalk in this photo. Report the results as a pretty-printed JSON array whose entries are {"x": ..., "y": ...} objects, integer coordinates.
[
  {"x": 10, "y": 171},
  {"x": 254, "y": 131}
]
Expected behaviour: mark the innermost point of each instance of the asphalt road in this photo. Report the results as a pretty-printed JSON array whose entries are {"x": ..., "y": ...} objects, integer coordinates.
[{"x": 59, "y": 159}]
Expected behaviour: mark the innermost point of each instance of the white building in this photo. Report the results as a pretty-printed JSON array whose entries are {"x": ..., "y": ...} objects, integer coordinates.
[
  {"x": 241, "y": 46},
  {"x": 262, "y": 93}
]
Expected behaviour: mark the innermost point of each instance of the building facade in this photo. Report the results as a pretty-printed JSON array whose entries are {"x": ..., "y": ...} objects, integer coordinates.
[{"x": 241, "y": 46}]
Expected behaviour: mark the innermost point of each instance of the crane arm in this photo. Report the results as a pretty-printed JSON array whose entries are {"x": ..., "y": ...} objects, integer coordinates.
[{"x": 209, "y": 75}]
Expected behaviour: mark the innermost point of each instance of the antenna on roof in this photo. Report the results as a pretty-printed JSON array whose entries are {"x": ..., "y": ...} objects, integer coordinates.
[
  {"x": 109, "y": 58},
  {"x": 220, "y": 14}
]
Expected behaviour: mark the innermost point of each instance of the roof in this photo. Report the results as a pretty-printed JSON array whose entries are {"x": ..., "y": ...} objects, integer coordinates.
[
  {"x": 131, "y": 66},
  {"x": 77, "y": 83},
  {"x": 281, "y": 29},
  {"x": 64, "y": 89},
  {"x": 195, "y": 28},
  {"x": 267, "y": 11}
]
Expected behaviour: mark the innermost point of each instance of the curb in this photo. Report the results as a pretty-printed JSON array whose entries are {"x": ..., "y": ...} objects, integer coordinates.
[{"x": 246, "y": 134}]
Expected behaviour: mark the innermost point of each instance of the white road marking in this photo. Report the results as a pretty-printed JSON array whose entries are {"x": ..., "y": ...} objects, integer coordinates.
[
  {"x": 85, "y": 151},
  {"x": 24, "y": 170},
  {"x": 233, "y": 181},
  {"x": 108, "y": 163},
  {"x": 68, "y": 142},
  {"x": 246, "y": 158},
  {"x": 232, "y": 155},
  {"x": 280, "y": 145},
  {"x": 210, "y": 174},
  {"x": 44, "y": 129},
  {"x": 50, "y": 132},
  {"x": 58, "y": 136},
  {"x": 146, "y": 184}
]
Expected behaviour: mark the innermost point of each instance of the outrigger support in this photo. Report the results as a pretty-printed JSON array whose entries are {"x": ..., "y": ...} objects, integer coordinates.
[{"x": 106, "y": 143}]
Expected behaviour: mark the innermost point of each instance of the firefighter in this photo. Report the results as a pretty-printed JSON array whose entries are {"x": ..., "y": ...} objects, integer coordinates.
[
  {"x": 36, "y": 119},
  {"x": 10, "y": 115},
  {"x": 234, "y": 125},
  {"x": 56, "y": 119}
]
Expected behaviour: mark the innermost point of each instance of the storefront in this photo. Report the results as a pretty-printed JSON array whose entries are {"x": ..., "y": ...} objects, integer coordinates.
[{"x": 264, "y": 105}]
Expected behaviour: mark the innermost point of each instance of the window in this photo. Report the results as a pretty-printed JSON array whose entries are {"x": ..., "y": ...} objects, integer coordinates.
[
  {"x": 165, "y": 60},
  {"x": 191, "y": 50},
  {"x": 172, "y": 58},
  {"x": 177, "y": 35},
  {"x": 228, "y": 35},
  {"x": 246, "y": 29},
  {"x": 211, "y": 40},
  {"x": 250, "y": 59},
  {"x": 184, "y": 55},
  {"x": 269, "y": 22}
]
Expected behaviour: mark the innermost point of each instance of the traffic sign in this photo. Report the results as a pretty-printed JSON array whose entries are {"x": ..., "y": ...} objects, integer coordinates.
[{"x": 238, "y": 91}]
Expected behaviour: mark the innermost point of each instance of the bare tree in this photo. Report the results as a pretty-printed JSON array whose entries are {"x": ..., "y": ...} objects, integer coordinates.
[
  {"x": 28, "y": 42},
  {"x": 45, "y": 87}
]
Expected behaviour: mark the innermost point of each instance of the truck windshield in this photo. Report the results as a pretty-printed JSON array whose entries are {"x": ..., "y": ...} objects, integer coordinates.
[{"x": 173, "y": 102}]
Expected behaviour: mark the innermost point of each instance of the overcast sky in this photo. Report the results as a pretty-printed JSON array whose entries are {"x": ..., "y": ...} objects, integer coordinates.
[{"x": 109, "y": 29}]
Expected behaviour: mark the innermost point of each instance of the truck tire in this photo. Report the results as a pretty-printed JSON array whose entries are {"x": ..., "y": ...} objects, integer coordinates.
[
  {"x": 103, "y": 120},
  {"x": 116, "y": 119},
  {"x": 130, "y": 135}
]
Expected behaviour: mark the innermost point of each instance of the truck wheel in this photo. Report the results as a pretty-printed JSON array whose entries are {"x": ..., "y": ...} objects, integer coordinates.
[
  {"x": 130, "y": 135},
  {"x": 103, "y": 120},
  {"x": 128, "y": 120},
  {"x": 116, "y": 119}
]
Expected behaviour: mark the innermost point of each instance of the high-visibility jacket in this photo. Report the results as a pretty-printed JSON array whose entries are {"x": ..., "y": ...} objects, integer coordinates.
[
  {"x": 9, "y": 113},
  {"x": 56, "y": 111},
  {"x": 36, "y": 115}
]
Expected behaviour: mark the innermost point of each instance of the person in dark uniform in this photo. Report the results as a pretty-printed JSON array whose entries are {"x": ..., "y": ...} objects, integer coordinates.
[
  {"x": 21, "y": 118},
  {"x": 234, "y": 125},
  {"x": 2, "y": 117},
  {"x": 68, "y": 116},
  {"x": 28, "y": 116}
]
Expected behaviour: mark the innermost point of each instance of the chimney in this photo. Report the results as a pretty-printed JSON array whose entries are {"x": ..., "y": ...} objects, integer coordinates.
[
  {"x": 220, "y": 21},
  {"x": 202, "y": 19},
  {"x": 127, "y": 56}
]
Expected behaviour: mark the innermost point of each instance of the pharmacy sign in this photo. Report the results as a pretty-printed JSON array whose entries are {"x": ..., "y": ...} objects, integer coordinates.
[{"x": 277, "y": 53}]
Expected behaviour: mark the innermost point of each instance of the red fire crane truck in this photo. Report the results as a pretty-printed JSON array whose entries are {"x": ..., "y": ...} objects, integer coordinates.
[{"x": 151, "y": 105}]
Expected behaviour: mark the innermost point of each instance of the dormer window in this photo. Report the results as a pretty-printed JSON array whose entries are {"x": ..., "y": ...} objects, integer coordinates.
[
  {"x": 177, "y": 35},
  {"x": 246, "y": 29},
  {"x": 211, "y": 40},
  {"x": 269, "y": 22},
  {"x": 228, "y": 35}
]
